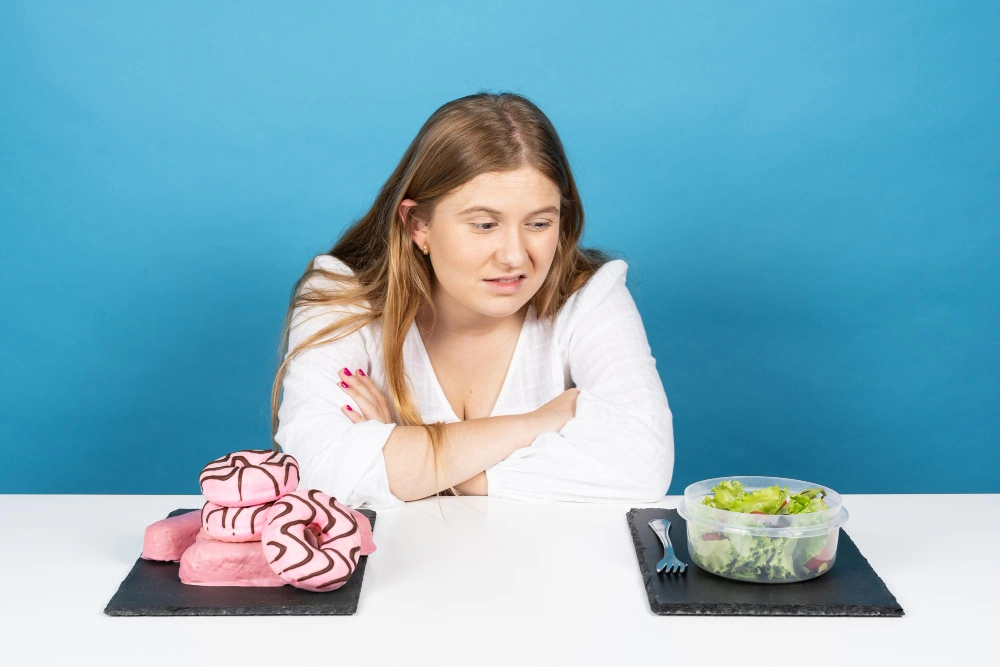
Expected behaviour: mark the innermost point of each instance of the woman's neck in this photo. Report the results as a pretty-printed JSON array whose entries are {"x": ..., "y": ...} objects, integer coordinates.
[{"x": 467, "y": 325}]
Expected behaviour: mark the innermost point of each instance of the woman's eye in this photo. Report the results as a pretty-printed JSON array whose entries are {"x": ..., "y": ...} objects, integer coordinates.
[{"x": 541, "y": 224}]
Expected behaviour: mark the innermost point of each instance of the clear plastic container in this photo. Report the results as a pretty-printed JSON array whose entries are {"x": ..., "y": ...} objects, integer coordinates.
[{"x": 767, "y": 548}]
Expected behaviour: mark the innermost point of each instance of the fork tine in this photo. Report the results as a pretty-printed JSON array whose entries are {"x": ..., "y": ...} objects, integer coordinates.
[{"x": 669, "y": 563}]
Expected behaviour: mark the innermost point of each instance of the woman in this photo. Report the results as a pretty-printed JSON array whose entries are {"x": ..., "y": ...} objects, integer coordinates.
[{"x": 458, "y": 328}]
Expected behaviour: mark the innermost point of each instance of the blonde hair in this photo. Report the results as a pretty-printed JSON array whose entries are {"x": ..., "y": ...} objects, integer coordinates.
[{"x": 472, "y": 135}]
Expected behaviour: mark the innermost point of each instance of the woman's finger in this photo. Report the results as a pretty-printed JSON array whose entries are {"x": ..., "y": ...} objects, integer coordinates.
[
  {"x": 360, "y": 397},
  {"x": 359, "y": 403},
  {"x": 352, "y": 414},
  {"x": 369, "y": 397},
  {"x": 372, "y": 390},
  {"x": 348, "y": 380},
  {"x": 384, "y": 413}
]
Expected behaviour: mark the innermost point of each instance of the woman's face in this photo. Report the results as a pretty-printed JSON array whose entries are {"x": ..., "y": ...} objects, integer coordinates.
[{"x": 497, "y": 225}]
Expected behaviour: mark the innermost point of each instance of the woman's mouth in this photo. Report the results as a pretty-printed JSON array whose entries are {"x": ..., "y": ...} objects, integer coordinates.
[{"x": 505, "y": 286}]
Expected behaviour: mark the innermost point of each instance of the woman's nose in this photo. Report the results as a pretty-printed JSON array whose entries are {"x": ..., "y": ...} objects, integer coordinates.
[{"x": 512, "y": 253}]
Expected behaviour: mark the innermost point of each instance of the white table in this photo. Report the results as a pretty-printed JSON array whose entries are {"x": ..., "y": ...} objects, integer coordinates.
[{"x": 500, "y": 582}]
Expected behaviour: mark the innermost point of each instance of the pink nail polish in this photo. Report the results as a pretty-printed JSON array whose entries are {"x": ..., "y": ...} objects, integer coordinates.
[
  {"x": 344, "y": 385},
  {"x": 347, "y": 372},
  {"x": 360, "y": 372},
  {"x": 349, "y": 408}
]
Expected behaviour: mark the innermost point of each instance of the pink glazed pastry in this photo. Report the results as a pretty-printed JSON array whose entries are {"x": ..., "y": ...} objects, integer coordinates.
[
  {"x": 249, "y": 477},
  {"x": 169, "y": 538},
  {"x": 210, "y": 562},
  {"x": 234, "y": 524},
  {"x": 312, "y": 541},
  {"x": 365, "y": 526}
]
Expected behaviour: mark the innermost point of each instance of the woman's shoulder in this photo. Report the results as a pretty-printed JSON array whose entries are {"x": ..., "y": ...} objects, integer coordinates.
[
  {"x": 312, "y": 313},
  {"x": 332, "y": 264},
  {"x": 603, "y": 294},
  {"x": 325, "y": 265},
  {"x": 610, "y": 276},
  {"x": 611, "y": 272},
  {"x": 320, "y": 283}
]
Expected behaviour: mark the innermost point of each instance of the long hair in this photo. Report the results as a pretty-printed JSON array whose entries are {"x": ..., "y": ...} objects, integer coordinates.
[{"x": 469, "y": 136}]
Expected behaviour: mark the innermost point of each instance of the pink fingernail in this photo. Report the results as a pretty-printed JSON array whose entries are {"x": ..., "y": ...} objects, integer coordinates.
[
  {"x": 360, "y": 372},
  {"x": 344, "y": 385},
  {"x": 349, "y": 408},
  {"x": 347, "y": 372}
]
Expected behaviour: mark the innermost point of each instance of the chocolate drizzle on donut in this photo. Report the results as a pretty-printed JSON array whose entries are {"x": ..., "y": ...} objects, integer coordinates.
[
  {"x": 309, "y": 551},
  {"x": 329, "y": 566},
  {"x": 348, "y": 515},
  {"x": 217, "y": 509},
  {"x": 236, "y": 463},
  {"x": 218, "y": 477},
  {"x": 281, "y": 549},
  {"x": 293, "y": 532},
  {"x": 282, "y": 462},
  {"x": 330, "y": 520},
  {"x": 206, "y": 518},
  {"x": 233, "y": 521},
  {"x": 350, "y": 570},
  {"x": 253, "y": 517},
  {"x": 288, "y": 508}
]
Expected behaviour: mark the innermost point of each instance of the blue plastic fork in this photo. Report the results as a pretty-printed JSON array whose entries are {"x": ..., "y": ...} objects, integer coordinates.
[{"x": 669, "y": 562}]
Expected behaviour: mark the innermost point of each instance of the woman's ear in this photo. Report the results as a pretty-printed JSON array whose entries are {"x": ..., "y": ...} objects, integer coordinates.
[{"x": 417, "y": 228}]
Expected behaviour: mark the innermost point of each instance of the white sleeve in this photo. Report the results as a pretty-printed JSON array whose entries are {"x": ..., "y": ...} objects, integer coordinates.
[
  {"x": 620, "y": 445},
  {"x": 335, "y": 455}
]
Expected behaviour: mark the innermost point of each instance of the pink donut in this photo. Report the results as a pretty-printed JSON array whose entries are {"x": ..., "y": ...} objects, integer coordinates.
[
  {"x": 234, "y": 524},
  {"x": 311, "y": 547},
  {"x": 249, "y": 477}
]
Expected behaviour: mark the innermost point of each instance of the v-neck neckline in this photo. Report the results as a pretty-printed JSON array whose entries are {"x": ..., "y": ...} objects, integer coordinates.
[{"x": 506, "y": 380}]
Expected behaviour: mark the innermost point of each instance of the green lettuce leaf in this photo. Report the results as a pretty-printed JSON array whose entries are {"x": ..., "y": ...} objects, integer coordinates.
[
  {"x": 760, "y": 558},
  {"x": 729, "y": 495}
]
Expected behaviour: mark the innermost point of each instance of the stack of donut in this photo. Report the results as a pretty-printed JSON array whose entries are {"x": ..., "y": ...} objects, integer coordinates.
[{"x": 256, "y": 529}]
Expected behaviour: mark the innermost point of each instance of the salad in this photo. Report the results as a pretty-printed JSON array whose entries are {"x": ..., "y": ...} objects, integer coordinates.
[
  {"x": 738, "y": 555},
  {"x": 729, "y": 496}
]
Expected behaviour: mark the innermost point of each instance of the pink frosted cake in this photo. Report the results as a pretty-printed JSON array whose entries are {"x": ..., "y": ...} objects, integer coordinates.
[
  {"x": 251, "y": 495},
  {"x": 210, "y": 562},
  {"x": 167, "y": 539}
]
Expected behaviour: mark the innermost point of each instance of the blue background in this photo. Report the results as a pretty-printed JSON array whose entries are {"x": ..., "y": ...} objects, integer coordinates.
[{"x": 807, "y": 194}]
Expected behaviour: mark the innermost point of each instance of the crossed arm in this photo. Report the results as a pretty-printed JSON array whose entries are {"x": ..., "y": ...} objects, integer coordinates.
[{"x": 619, "y": 445}]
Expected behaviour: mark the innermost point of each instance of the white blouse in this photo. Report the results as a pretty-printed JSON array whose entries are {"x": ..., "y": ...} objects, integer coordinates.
[{"x": 618, "y": 448}]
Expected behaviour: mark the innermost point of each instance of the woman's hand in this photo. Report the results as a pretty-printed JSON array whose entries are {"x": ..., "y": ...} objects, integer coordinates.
[
  {"x": 550, "y": 417},
  {"x": 553, "y": 415},
  {"x": 367, "y": 402}
]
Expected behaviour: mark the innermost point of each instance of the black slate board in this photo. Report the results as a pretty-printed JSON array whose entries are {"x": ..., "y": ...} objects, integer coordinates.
[
  {"x": 850, "y": 588},
  {"x": 153, "y": 588}
]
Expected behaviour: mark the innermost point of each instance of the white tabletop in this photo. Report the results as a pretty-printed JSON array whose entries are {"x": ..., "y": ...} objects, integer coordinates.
[{"x": 497, "y": 582}]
